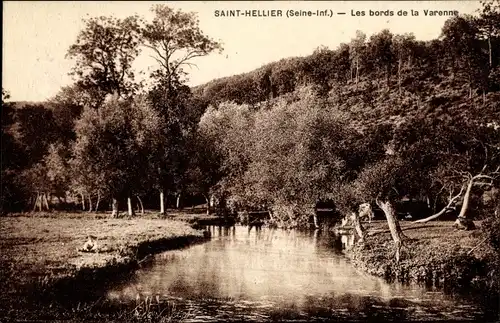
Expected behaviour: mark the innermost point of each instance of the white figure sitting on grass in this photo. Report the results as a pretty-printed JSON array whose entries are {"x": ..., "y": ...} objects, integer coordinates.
[{"x": 90, "y": 245}]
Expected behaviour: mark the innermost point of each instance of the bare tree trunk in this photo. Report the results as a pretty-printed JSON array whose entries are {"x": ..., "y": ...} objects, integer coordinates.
[
  {"x": 357, "y": 70},
  {"x": 83, "y": 201},
  {"x": 465, "y": 204},
  {"x": 178, "y": 204},
  {"x": 115, "y": 211},
  {"x": 399, "y": 75},
  {"x": 393, "y": 223},
  {"x": 90, "y": 203},
  {"x": 315, "y": 219},
  {"x": 129, "y": 206},
  {"x": 36, "y": 201},
  {"x": 162, "y": 202},
  {"x": 271, "y": 216},
  {"x": 357, "y": 225},
  {"x": 40, "y": 203},
  {"x": 98, "y": 200},
  {"x": 315, "y": 216},
  {"x": 46, "y": 201},
  {"x": 489, "y": 50},
  {"x": 142, "y": 206},
  {"x": 462, "y": 222},
  {"x": 207, "y": 199}
]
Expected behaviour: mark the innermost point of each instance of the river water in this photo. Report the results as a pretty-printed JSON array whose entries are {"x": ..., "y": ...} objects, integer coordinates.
[{"x": 273, "y": 274}]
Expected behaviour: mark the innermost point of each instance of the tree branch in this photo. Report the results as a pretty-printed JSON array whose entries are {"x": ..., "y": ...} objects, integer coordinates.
[
  {"x": 482, "y": 183},
  {"x": 164, "y": 58},
  {"x": 480, "y": 243},
  {"x": 447, "y": 207},
  {"x": 189, "y": 56},
  {"x": 482, "y": 176},
  {"x": 159, "y": 61}
]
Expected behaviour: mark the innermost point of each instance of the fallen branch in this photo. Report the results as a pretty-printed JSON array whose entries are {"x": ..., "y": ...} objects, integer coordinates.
[
  {"x": 447, "y": 207},
  {"x": 483, "y": 241}
]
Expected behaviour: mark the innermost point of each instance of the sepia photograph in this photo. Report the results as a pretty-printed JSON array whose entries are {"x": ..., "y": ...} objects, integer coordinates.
[{"x": 250, "y": 161}]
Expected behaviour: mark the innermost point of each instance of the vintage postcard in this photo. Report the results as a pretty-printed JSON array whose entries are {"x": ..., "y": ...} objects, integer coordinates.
[{"x": 250, "y": 161}]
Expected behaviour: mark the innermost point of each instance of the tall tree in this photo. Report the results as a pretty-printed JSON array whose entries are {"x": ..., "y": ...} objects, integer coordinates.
[
  {"x": 113, "y": 148},
  {"x": 402, "y": 47},
  {"x": 342, "y": 63},
  {"x": 489, "y": 26},
  {"x": 104, "y": 52},
  {"x": 460, "y": 35},
  {"x": 11, "y": 159},
  {"x": 357, "y": 48},
  {"x": 175, "y": 39},
  {"x": 204, "y": 169},
  {"x": 382, "y": 182},
  {"x": 228, "y": 128},
  {"x": 381, "y": 51}
]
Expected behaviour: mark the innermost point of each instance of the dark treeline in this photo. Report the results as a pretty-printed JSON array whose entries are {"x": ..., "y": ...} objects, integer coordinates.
[{"x": 376, "y": 120}]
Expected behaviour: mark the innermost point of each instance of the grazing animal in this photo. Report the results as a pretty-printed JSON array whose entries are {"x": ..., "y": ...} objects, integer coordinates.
[{"x": 365, "y": 211}]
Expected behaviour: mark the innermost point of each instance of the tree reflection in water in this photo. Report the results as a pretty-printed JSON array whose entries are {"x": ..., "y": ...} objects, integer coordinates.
[{"x": 271, "y": 274}]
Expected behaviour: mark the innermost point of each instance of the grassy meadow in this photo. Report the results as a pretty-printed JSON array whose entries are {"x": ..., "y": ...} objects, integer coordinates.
[{"x": 37, "y": 249}]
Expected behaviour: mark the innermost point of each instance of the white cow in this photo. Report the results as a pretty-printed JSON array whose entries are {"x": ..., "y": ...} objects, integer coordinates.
[{"x": 365, "y": 211}]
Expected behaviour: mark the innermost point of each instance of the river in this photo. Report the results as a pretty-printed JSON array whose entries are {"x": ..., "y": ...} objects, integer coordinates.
[{"x": 273, "y": 274}]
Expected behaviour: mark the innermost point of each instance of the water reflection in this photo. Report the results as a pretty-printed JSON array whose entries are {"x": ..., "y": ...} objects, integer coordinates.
[
  {"x": 270, "y": 274},
  {"x": 347, "y": 241}
]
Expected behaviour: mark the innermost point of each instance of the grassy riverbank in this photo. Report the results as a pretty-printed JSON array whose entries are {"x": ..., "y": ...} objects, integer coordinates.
[
  {"x": 434, "y": 253},
  {"x": 39, "y": 256}
]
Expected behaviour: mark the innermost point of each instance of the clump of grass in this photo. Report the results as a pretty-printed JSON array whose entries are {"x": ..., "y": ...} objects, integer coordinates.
[
  {"x": 151, "y": 309},
  {"x": 286, "y": 313}
]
